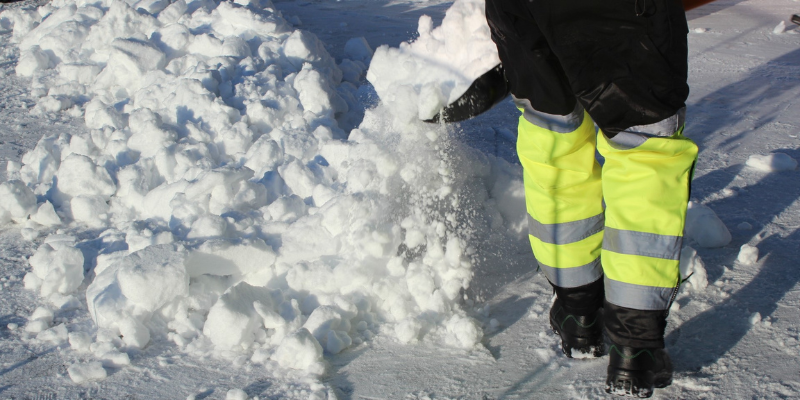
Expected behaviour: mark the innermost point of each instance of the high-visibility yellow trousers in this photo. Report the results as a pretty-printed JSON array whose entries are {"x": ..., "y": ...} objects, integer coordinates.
[{"x": 635, "y": 241}]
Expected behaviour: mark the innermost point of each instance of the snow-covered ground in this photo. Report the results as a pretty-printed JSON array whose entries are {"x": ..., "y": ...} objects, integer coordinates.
[{"x": 219, "y": 206}]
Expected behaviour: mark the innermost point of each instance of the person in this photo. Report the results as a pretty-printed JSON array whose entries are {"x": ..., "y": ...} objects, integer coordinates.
[{"x": 607, "y": 238}]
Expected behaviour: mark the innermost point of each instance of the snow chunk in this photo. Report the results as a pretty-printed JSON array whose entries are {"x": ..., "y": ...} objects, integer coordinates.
[
  {"x": 124, "y": 295},
  {"x": 46, "y": 215},
  {"x": 407, "y": 331},
  {"x": 133, "y": 332},
  {"x": 115, "y": 359},
  {"x": 64, "y": 303},
  {"x": 53, "y": 104},
  {"x": 352, "y": 71},
  {"x": 41, "y": 164},
  {"x": 465, "y": 332},
  {"x": 337, "y": 341},
  {"x": 221, "y": 257},
  {"x": 330, "y": 328},
  {"x": 417, "y": 79},
  {"x": 153, "y": 276},
  {"x": 264, "y": 156},
  {"x": 300, "y": 351},
  {"x": 149, "y": 136},
  {"x": 315, "y": 92},
  {"x": 303, "y": 47},
  {"x": 84, "y": 372},
  {"x": 236, "y": 394},
  {"x": 704, "y": 227},
  {"x": 232, "y": 320},
  {"x": 80, "y": 341},
  {"x": 40, "y": 320},
  {"x": 692, "y": 269},
  {"x": 36, "y": 326},
  {"x": 98, "y": 115},
  {"x": 57, "y": 268},
  {"x": 755, "y": 318},
  {"x": 748, "y": 255},
  {"x": 358, "y": 49},
  {"x": 17, "y": 200},
  {"x": 774, "y": 162},
  {"x": 79, "y": 176},
  {"x": 90, "y": 210},
  {"x": 55, "y": 335},
  {"x": 780, "y": 28},
  {"x": 32, "y": 60},
  {"x": 299, "y": 178}
]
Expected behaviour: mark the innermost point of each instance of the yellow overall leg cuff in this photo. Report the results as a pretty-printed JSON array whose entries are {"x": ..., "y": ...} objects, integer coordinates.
[
  {"x": 646, "y": 191},
  {"x": 563, "y": 195}
]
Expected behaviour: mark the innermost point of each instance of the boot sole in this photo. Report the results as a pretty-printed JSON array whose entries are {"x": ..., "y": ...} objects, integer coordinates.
[{"x": 637, "y": 384}]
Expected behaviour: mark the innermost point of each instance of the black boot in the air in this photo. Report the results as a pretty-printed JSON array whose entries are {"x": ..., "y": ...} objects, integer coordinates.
[
  {"x": 636, "y": 372},
  {"x": 577, "y": 318}
]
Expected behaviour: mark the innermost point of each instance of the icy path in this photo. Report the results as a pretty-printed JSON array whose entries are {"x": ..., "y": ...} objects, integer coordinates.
[{"x": 745, "y": 86}]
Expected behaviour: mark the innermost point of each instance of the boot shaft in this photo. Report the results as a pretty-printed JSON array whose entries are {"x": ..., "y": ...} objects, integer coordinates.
[{"x": 642, "y": 329}]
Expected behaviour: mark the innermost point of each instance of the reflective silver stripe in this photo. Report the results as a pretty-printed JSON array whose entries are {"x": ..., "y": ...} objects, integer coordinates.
[
  {"x": 665, "y": 127},
  {"x": 626, "y": 140},
  {"x": 573, "y": 277},
  {"x": 635, "y": 136},
  {"x": 642, "y": 244},
  {"x": 638, "y": 297},
  {"x": 566, "y": 232},
  {"x": 552, "y": 122}
]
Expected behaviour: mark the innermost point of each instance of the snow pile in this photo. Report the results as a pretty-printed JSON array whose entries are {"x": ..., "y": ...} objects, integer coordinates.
[
  {"x": 215, "y": 201},
  {"x": 704, "y": 227},
  {"x": 419, "y": 78},
  {"x": 774, "y": 162}
]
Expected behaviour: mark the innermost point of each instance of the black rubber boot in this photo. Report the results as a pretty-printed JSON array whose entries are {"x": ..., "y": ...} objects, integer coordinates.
[
  {"x": 577, "y": 318},
  {"x": 636, "y": 372},
  {"x": 637, "y": 361}
]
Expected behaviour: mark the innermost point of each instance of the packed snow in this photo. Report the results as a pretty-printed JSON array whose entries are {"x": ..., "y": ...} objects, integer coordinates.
[
  {"x": 233, "y": 217},
  {"x": 204, "y": 201}
]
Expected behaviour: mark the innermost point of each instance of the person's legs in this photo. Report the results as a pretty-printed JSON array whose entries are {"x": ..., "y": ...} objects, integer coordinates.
[
  {"x": 556, "y": 146},
  {"x": 626, "y": 63},
  {"x": 563, "y": 195},
  {"x": 646, "y": 184}
]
